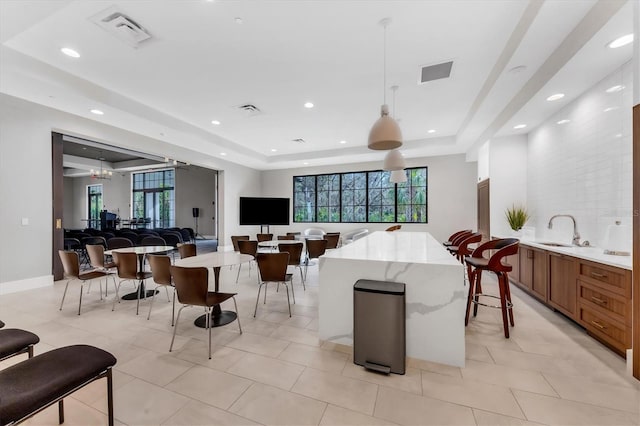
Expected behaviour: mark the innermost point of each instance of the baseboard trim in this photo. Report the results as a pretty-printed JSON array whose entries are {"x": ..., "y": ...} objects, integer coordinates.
[{"x": 26, "y": 284}]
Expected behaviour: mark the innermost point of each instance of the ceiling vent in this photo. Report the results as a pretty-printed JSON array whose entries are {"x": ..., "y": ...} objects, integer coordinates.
[
  {"x": 250, "y": 109},
  {"x": 121, "y": 27},
  {"x": 299, "y": 140},
  {"x": 435, "y": 72}
]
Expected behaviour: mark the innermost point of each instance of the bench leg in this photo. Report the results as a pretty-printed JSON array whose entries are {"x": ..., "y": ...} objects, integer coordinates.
[
  {"x": 61, "y": 411},
  {"x": 110, "y": 396},
  {"x": 30, "y": 351}
]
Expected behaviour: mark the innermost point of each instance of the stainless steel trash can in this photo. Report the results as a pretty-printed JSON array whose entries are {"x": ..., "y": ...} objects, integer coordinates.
[{"x": 379, "y": 341}]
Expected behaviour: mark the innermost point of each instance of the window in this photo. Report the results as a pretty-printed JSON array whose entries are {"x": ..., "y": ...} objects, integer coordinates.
[
  {"x": 94, "y": 205},
  {"x": 361, "y": 197},
  {"x": 154, "y": 198}
]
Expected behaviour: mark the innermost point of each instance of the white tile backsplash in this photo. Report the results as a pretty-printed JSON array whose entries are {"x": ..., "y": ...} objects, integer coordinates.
[{"x": 584, "y": 167}]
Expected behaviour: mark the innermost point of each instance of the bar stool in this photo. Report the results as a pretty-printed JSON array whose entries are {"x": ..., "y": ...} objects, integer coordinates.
[
  {"x": 461, "y": 247},
  {"x": 455, "y": 235},
  {"x": 476, "y": 263}
]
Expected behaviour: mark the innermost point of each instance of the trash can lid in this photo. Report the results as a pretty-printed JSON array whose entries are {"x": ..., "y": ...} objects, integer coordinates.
[{"x": 386, "y": 287}]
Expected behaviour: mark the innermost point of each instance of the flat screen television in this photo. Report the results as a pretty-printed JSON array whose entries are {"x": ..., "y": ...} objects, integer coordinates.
[{"x": 264, "y": 211}]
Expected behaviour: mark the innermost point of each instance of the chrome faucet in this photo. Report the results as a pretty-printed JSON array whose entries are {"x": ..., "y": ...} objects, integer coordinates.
[{"x": 576, "y": 234}]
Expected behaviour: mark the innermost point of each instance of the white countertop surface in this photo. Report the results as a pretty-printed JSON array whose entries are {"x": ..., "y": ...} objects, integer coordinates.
[
  {"x": 595, "y": 254},
  {"x": 397, "y": 246}
]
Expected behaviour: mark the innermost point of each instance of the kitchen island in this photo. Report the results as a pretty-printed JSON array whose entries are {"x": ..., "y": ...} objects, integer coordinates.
[{"x": 435, "y": 291}]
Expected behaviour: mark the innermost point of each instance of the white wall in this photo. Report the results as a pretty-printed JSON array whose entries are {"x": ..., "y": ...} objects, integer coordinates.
[
  {"x": 508, "y": 179},
  {"x": 116, "y": 196},
  {"x": 196, "y": 187},
  {"x": 451, "y": 195},
  {"x": 584, "y": 167},
  {"x": 25, "y": 179}
]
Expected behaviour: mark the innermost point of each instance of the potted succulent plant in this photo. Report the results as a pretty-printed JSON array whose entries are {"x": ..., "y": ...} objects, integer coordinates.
[{"x": 517, "y": 216}]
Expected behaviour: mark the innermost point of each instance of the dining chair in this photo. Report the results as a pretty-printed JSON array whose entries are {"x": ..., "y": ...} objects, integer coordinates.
[
  {"x": 119, "y": 242},
  {"x": 333, "y": 238},
  {"x": 98, "y": 262},
  {"x": 235, "y": 239},
  {"x": 161, "y": 273},
  {"x": 273, "y": 269},
  {"x": 286, "y": 237},
  {"x": 71, "y": 265},
  {"x": 127, "y": 266},
  {"x": 295, "y": 254},
  {"x": 192, "y": 289},
  {"x": 247, "y": 247},
  {"x": 186, "y": 250},
  {"x": 264, "y": 237},
  {"x": 393, "y": 228},
  {"x": 315, "y": 249}
]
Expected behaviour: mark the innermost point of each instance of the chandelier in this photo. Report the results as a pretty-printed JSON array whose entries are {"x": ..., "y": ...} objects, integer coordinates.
[{"x": 101, "y": 173}]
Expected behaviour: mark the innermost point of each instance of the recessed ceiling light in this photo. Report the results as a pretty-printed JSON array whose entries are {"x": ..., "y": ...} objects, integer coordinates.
[
  {"x": 343, "y": 142},
  {"x": 70, "y": 52},
  {"x": 621, "y": 41},
  {"x": 274, "y": 150},
  {"x": 305, "y": 163},
  {"x": 215, "y": 122},
  {"x": 431, "y": 131},
  {"x": 613, "y": 108},
  {"x": 618, "y": 135},
  {"x": 97, "y": 112},
  {"x": 555, "y": 97},
  {"x": 223, "y": 153},
  {"x": 616, "y": 88},
  {"x": 519, "y": 126},
  {"x": 564, "y": 121},
  {"x": 308, "y": 105}
]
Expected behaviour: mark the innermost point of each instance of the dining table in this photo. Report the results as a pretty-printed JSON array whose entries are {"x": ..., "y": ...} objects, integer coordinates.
[
  {"x": 215, "y": 260},
  {"x": 141, "y": 252}
]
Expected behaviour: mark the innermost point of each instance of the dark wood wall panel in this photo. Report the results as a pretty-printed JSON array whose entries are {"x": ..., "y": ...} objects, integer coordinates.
[
  {"x": 636, "y": 243},
  {"x": 57, "y": 180},
  {"x": 484, "y": 216}
]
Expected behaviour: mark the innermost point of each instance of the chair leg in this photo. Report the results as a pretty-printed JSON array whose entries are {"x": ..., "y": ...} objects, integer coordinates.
[
  {"x": 266, "y": 286},
  {"x": 302, "y": 278},
  {"x": 292, "y": 292},
  {"x": 167, "y": 291},
  {"x": 176, "y": 327},
  {"x": 478, "y": 290},
  {"x": 257, "y": 300},
  {"x": 117, "y": 299},
  {"x": 508, "y": 294},
  {"x": 173, "y": 308},
  {"x": 286, "y": 287},
  {"x": 503, "y": 305},
  {"x": 151, "y": 304},
  {"x": 80, "y": 303},
  {"x": 237, "y": 314},
  {"x": 239, "y": 269},
  {"x": 470, "y": 297},
  {"x": 209, "y": 329},
  {"x": 65, "y": 293}
]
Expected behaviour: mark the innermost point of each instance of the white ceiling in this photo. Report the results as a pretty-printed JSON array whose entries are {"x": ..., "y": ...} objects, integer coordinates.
[{"x": 201, "y": 64}]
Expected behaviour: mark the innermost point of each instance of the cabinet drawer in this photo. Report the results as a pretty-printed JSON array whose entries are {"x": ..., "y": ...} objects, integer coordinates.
[
  {"x": 607, "y": 303},
  {"x": 611, "y": 332},
  {"x": 612, "y": 279}
]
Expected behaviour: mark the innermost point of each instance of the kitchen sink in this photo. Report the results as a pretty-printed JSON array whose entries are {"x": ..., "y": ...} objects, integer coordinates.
[{"x": 552, "y": 244}]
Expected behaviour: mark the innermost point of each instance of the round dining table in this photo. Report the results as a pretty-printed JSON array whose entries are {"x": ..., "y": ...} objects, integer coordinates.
[
  {"x": 140, "y": 251},
  {"x": 215, "y": 260},
  {"x": 274, "y": 243}
]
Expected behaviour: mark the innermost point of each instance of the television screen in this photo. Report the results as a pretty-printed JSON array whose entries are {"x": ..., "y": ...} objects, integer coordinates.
[{"x": 264, "y": 211}]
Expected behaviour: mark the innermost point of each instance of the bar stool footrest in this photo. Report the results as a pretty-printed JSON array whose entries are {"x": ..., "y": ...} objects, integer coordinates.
[{"x": 509, "y": 304}]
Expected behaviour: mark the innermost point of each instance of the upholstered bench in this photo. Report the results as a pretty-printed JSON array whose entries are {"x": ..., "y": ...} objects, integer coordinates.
[
  {"x": 33, "y": 385},
  {"x": 15, "y": 342}
]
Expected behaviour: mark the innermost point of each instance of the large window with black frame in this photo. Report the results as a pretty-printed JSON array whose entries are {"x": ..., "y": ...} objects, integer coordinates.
[
  {"x": 360, "y": 197},
  {"x": 154, "y": 198}
]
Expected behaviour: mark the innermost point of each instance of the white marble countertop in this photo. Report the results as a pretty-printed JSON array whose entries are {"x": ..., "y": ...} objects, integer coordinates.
[
  {"x": 595, "y": 254},
  {"x": 403, "y": 247}
]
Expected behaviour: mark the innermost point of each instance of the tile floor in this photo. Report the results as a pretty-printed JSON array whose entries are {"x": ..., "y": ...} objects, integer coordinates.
[{"x": 277, "y": 372}]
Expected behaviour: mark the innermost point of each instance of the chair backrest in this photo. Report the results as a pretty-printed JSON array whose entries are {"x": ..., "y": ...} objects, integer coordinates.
[
  {"x": 130, "y": 235},
  {"x": 119, "y": 242},
  {"x": 248, "y": 247},
  {"x": 332, "y": 240},
  {"x": 316, "y": 248},
  {"x": 504, "y": 246},
  {"x": 192, "y": 285},
  {"x": 160, "y": 268},
  {"x": 191, "y": 232},
  {"x": 70, "y": 263},
  {"x": 71, "y": 243},
  {"x": 460, "y": 237},
  {"x": 127, "y": 265},
  {"x": 107, "y": 235},
  {"x": 294, "y": 250},
  {"x": 317, "y": 232},
  {"x": 456, "y": 234},
  {"x": 236, "y": 238},
  {"x": 186, "y": 250},
  {"x": 463, "y": 246},
  {"x": 153, "y": 240},
  {"x": 264, "y": 237},
  {"x": 286, "y": 237},
  {"x": 295, "y": 234},
  {"x": 96, "y": 255},
  {"x": 186, "y": 235},
  {"x": 94, "y": 240},
  {"x": 172, "y": 238},
  {"x": 273, "y": 266},
  {"x": 393, "y": 228}
]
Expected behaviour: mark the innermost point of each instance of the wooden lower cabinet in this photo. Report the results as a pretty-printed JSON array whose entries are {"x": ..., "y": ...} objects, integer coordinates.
[
  {"x": 533, "y": 271},
  {"x": 563, "y": 274}
]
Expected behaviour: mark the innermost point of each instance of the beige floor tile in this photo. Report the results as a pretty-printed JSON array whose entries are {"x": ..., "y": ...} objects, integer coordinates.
[
  {"x": 511, "y": 377},
  {"x": 157, "y": 341},
  {"x": 585, "y": 390},
  {"x": 338, "y": 416},
  {"x": 141, "y": 403},
  {"x": 256, "y": 326},
  {"x": 272, "y": 406},
  {"x": 210, "y": 386},
  {"x": 409, "y": 409},
  {"x": 97, "y": 390},
  {"x": 260, "y": 345},
  {"x": 434, "y": 367},
  {"x": 411, "y": 381},
  {"x": 485, "y": 418},
  {"x": 315, "y": 357},
  {"x": 283, "y": 318},
  {"x": 556, "y": 411},
  {"x": 75, "y": 413},
  {"x": 477, "y": 352},
  {"x": 297, "y": 335},
  {"x": 348, "y": 393},
  {"x": 159, "y": 369},
  {"x": 222, "y": 357},
  {"x": 471, "y": 393},
  {"x": 197, "y": 413},
  {"x": 267, "y": 370},
  {"x": 313, "y": 325},
  {"x": 529, "y": 361}
]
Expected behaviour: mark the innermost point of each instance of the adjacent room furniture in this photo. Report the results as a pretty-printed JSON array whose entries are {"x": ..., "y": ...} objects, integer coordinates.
[{"x": 393, "y": 228}]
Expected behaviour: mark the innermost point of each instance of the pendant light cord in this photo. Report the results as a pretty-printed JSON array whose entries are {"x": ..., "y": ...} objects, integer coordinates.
[{"x": 384, "y": 67}]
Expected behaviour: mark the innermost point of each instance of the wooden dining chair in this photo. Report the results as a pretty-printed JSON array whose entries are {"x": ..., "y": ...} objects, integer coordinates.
[
  {"x": 186, "y": 250},
  {"x": 295, "y": 255},
  {"x": 247, "y": 247},
  {"x": 161, "y": 273},
  {"x": 127, "y": 267},
  {"x": 264, "y": 237},
  {"x": 273, "y": 269},
  {"x": 315, "y": 249},
  {"x": 71, "y": 265}
]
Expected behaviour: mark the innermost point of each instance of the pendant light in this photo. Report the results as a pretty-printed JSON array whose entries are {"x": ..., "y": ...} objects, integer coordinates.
[
  {"x": 398, "y": 176},
  {"x": 385, "y": 133}
]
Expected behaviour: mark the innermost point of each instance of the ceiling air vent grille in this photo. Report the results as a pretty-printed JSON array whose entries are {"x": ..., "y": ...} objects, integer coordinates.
[
  {"x": 435, "y": 72},
  {"x": 121, "y": 26},
  {"x": 299, "y": 140}
]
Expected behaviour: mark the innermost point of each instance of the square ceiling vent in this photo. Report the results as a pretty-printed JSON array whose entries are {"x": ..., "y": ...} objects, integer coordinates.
[
  {"x": 121, "y": 26},
  {"x": 435, "y": 72}
]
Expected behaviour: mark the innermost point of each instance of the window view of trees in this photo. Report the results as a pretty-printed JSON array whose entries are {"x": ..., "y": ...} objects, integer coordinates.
[
  {"x": 361, "y": 197},
  {"x": 154, "y": 197}
]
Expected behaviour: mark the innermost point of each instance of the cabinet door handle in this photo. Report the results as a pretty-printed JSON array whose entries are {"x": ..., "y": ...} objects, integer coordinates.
[
  {"x": 598, "y": 300},
  {"x": 530, "y": 254},
  {"x": 597, "y": 324},
  {"x": 597, "y": 275}
]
